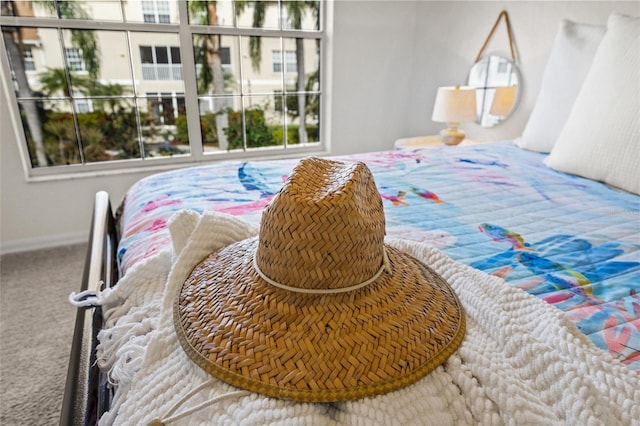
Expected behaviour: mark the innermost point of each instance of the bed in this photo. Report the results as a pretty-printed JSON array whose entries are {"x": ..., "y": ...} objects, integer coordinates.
[{"x": 501, "y": 208}]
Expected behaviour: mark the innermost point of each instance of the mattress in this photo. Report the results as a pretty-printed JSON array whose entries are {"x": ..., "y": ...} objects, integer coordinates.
[{"x": 572, "y": 242}]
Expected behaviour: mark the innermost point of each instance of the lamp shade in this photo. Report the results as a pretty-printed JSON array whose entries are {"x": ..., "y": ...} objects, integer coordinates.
[
  {"x": 504, "y": 99},
  {"x": 455, "y": 104}
]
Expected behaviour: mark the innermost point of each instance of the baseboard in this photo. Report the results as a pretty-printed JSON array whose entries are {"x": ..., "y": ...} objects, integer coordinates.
[{"x": 29, "y": 244}]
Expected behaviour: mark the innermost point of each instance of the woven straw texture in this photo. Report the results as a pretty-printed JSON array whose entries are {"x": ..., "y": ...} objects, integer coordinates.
[{"x": 324, "y": 230}]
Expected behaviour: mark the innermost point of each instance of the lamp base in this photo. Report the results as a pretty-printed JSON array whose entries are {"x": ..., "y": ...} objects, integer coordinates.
[{"x": 451, "y": 136}]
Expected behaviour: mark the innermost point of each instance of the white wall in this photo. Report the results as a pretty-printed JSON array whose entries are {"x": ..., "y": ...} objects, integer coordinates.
[
  {"x": 389, "y": 57},
  {"x": 372, "y": 61},
  {"x": 450, "y": 35}
]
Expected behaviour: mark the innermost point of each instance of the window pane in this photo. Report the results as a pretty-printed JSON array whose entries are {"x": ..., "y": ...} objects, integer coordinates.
[
  {"x": 74, "y": 59},
  {"x": 146, "y": 55},
  {"x": 29, "y": 63},
  {"x": 59, "y": 142},
  {"x": 258, "y": 14},
  {"x": 225, "y": 55},
  {"x": 214, "y": 121},
  {"x": 261, "y": 74},
  {"x": 98, "y": 62},
  {"x": 301, "y": 15},
  {"x": 108, "y": 129},
  {"x": 46, "y": 47},
  {"x": 175, "y": 55},
  {"x": 41, "y": 9},
  {"x": 95, "y": 9},
  {"x": 291, "y": 64},
  {"x": 159, "y": 71},
  {"x": 217, "y": 64},
  {"x": 161, "y": 55},
  {"x": 263, "y": 124},
  {"x": 276, "y": 56},
  {"x": 164, "y": 124},
  {"x": 83, "y": 50},
  {"x": 307, "y": 107},
  {"x": 308, "y": 67},
  {"x": 152, "y": 11},
  {"x": 218, "y": 13},
  {"x": 108, "y": 10}
]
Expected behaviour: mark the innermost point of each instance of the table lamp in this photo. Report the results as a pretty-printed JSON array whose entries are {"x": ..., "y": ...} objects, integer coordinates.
[
  {"x": 504, "y": 98},
  {"x": 454, "y": 104}
]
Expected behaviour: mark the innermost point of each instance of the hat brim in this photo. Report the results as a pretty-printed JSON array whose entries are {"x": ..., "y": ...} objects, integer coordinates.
[{"x": 316, "y": 348}]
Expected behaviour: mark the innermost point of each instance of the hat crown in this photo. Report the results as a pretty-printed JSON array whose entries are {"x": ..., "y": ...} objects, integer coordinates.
[{"x": 324, "y": 229}]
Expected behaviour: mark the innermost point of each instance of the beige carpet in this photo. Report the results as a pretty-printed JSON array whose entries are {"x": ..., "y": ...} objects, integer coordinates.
[{"x": 36, "y": 326}]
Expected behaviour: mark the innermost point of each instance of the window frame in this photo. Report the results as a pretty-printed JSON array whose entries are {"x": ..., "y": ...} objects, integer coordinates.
[
  {"x": 185, "y": 31},
  {"x": 74, "y": 60},
  {"x": 29, "y": 60},
  {"x": 286, "y": 63},
  {"x": 155, "y": 12}
]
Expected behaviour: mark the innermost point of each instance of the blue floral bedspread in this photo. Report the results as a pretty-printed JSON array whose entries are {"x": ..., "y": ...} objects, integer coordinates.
[{"x": 572, "y": 242}]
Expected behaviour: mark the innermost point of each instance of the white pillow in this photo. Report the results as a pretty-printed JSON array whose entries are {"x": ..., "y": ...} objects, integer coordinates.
[
  {"x": 571, "y": 56},
  {"x": 601, "y": 138}
]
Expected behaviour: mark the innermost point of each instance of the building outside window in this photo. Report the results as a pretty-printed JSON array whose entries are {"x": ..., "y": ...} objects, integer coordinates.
[
  {"x": 164, "y": 107},
  {"x": 83, "y": 105},
  {"x": 29, "y": 63},
  {"x": 156, "y": 12},
  {"x": 121, "y": 84},
  {"x": 160, "y": 62},
  {"x": 75, "y": 59},
  {"x": 291, "y": 65}
]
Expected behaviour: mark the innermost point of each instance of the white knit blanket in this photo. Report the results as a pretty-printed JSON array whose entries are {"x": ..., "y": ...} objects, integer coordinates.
[{"x": 521, "y": 361}]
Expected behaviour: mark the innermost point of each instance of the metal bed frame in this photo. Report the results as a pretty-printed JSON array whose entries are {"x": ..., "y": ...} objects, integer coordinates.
[{"x": 86, "y": 395}]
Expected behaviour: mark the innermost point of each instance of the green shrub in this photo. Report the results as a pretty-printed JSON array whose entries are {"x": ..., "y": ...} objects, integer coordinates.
[
  {"x": 292, "y": 134},
  {"x": 208, "y": 129},
  {"x": 258, "y": 133}
]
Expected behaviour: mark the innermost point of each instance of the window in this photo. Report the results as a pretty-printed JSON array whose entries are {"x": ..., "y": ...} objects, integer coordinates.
[
  {"x": 83, "y": 105},
  {"x": 225, "y": 59},
  {"x": 290, "y": 64},
  {"x": 74, "y": 59},
  {"x": 160, "y": 63},
  {"x": 164, "y": 107},
  {"x": 126, "y": 86},
  {"x": 155, "y": 12},
  {"x": 29, "y": 64}
]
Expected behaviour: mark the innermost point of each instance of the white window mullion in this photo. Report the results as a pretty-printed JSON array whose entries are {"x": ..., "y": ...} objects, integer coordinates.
[{"x": 190, "y": 84}]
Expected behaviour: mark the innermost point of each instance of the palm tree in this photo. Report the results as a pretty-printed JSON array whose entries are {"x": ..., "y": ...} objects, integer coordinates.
[
  {"x": 113, "y": 93},
  {"x": 86, "y": 42},
  {"x": 207, "y": 54},
  {"x": 54, "y": 80},
  {"x": 13, "y": 42},
  {"x": 295, "y": 13},
  {"x": 255, "y": 42}
]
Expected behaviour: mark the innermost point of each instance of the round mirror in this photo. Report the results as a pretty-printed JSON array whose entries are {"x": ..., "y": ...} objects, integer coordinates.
[{"x": 497, "y": 83}]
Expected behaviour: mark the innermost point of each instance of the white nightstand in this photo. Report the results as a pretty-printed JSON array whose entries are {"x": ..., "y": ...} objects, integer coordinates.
[{"x": 425, "y": 142}]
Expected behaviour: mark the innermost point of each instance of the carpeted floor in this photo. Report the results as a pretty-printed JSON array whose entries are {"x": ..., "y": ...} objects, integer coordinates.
[{"x": 36, "y": 327}]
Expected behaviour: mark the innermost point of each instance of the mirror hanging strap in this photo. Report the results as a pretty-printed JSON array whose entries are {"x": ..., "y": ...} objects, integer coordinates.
[{"x": 504, "y": 15}]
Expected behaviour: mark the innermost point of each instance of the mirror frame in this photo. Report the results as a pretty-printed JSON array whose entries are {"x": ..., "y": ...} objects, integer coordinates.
[{"x": 485, "y": 118}]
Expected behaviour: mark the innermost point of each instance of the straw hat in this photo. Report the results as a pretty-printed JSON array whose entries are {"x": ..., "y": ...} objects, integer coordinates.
[{"x": 318, "y": 308}]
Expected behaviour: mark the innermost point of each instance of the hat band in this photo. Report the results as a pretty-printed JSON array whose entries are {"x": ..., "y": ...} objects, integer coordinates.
[{"x": 386, "y": 266}]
